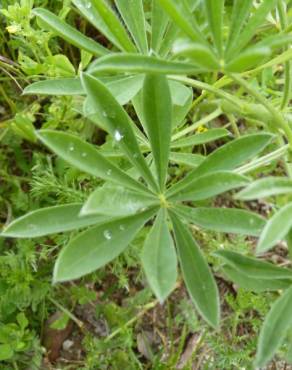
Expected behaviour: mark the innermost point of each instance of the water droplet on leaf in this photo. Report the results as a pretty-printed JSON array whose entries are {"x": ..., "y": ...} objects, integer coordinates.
[{"x": 107, "y": 234}]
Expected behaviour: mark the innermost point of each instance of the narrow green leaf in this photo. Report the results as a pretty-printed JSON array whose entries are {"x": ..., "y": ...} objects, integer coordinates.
[
  {"x": 114, "y": 25},
  {"x": 50, "y": 220},
  {"x": 253, "y": 267},
  {"x": 250, "y": 29},
  {"x": 198, "y": 54},
  {"x": 226, "y": 220},
  {"x": 276, "y": 229},
  {"x": 266, "y": 187},
  {"x": 159, "y": 258},
  {"x": 208, "y": 186},
  {"x": 132, "y": 13},
  {"x": 197, "y": 275},
  {"x": 248, "y": 59},
  {"x": 159, "y": 25},
  {"x": 181, "y": 15},
  {"x": 86, "y": 158},
  {"x": 252, "y": 283},
  {"x": 275, "y": 327},
  {"x": 118, "y": 201},
  {"x": 240, "y": 12},
  {"x": 96, "y": 247},
  {"x": 92, "y": 15},
  {"x": 134, "y": 63},
  {"x": 214, "y": 10},
  {"x": 158, "y": 122},
  {"x": 69, "y": 33},
  {"x": 227, "y": 157},
  {"x": 118, "y": 123},
  {"x": 122, "y": 88},
  {"x": 188, "y": 159},
  {"x": 199, "y": 139}
]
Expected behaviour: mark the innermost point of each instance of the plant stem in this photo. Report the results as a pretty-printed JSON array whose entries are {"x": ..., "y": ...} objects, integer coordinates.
[{"x": 78, "y": 322}]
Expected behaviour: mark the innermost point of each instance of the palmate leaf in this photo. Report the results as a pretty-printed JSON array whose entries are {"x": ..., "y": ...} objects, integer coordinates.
[
  {"x": 157, "y": 110},
  {"x": 224, "y": 220},
  {"x": 116, "y": 200},
  {"x": 118, "y": 123},
  {"x": 159, "y": 258},
  {"x": 188, "y": 159},
  {"x": 97, "y": 246},
  {"x": 197, "y": 275},
  {"x": 132, "y": 13},
  {"x": 51, "y": 220},
  {"x": 276, "y": 229},
  {"x": 87, "y": 158},
  {"x": 69, "y": 33},
  {"x": 208, "y": 186},
  {"x": 275, "y": 327}
]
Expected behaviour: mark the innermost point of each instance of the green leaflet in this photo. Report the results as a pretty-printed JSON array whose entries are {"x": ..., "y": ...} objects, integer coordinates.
[
  {"x": 157, "y": 110},
  {"x": 253, "y": 267},
  {"x": 159, "y": 258},
  {"x": 208, "y": 186},
  {"x": 266, "y": 187},
  {"x": 254, "y": 284},
  {"x": 114, "y": 25},
  {"x": 199, "y": 54},
  {"x": 188, "y": 159},
  {"x": 159, "y": 24},
  {"x": 276, "y": 229},
  {"x": 181, "y": 15},
  {"x": 197, "y": 275},
  {"x": 69, "y": 33},
  {"x": 86, "y": 158},
  {"x": 250, "y": 29},
  {"x": 50, "y": 220},
  {"x": 92, "y": 15},
  {"x": 97, "y": 246},
  {"x": 133, "y": 16},
  {"x": 226, "y": 220},
  {"x": 240, "y": 12},
  {"x": 214, "y": 10},
  {"x": 248, "y": 59},
  {"x": 134, "y": 63},
  {"x": 199, "y": 139},
  {"x": 227, "y": 157},
  {"x": 122, "y": 88},
  {"x": 117, "y": 122},
  {"x": 275, "y": 327},
  {"x": 117, "y": 200}
]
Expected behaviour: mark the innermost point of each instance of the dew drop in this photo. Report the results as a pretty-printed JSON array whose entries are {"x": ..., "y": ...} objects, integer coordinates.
[
  {"x": 104, "y": 113},
  {"x": 84, "y": 155},
  {"x": 71, "y": 148},
  {"x": 107, "y": 234},
  {"x": 122, "y": 227},
  {"x": 109, "y": 172},
  {"x": 118, "y": 136},
  {"x": 88, "y": 5},
  {"x": 135, "y": 155}
]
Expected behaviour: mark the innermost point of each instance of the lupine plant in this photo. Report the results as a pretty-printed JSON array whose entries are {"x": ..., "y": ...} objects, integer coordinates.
[{"x": 154, "y": 50}]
